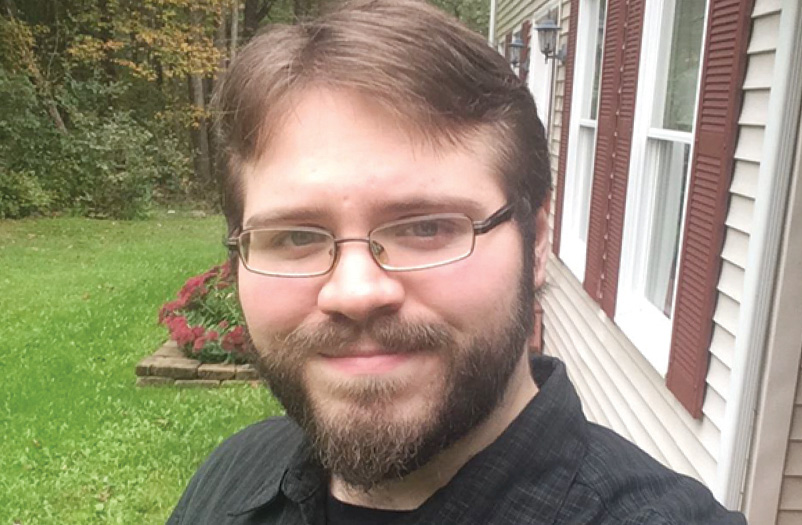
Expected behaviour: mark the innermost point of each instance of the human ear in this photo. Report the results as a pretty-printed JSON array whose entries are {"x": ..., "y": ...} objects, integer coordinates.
[{"x": 542, "y": 240}]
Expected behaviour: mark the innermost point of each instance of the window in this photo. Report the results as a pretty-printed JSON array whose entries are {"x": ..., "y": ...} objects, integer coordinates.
[
  {"x": 658, "y": 174},
  {"x": 662, "y": 171},
  {"x": 582, "y": 136}
]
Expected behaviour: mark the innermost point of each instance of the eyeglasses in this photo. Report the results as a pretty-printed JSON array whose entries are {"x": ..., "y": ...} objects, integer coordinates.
[{"x": 415, "y": 243}]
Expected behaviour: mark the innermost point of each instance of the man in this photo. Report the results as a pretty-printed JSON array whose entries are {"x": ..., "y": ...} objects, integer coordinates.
[{"x": 385, "y": 171}]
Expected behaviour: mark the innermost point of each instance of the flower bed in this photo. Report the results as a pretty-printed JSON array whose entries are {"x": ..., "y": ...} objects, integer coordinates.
[{"x": 205, "y": 320}]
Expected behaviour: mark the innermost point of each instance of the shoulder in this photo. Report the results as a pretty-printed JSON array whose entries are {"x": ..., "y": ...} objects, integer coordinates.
[
  {"x": 630, "y": 487},
  {"x": 274, "y": 437},
  {"x": 245, "y": 463}
]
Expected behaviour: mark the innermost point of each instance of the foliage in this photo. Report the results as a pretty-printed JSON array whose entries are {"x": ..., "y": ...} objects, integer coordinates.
[
  {"x": 473, "y": 13},
  {"x": 108, "y": 166},
  {"x": 21, "y": 195},
  {"x": 80, "y": 442},
  {"x": 205, "y": 319},
  {"x": 103, "y": 103},
  {"x": 151, "y": 38}
]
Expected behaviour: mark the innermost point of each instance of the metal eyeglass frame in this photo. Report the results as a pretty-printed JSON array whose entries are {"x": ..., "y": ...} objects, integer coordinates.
[{"x": 501, "y": 216}]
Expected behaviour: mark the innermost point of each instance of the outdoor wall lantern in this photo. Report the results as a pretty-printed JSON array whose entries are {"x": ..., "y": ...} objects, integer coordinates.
[
  {"x": 547, "y": 31},
  {"x": 515, "y": 50}
]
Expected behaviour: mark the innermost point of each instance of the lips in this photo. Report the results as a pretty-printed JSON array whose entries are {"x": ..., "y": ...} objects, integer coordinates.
[{"x": 373, "y": 362}]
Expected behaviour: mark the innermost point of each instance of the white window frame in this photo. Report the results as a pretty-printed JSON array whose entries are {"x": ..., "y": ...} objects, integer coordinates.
[
  {"x": 643, "y": 323},
  {"x": 573, "y": 248}
]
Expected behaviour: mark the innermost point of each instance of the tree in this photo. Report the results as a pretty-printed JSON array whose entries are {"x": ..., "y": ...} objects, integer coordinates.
[
  {"x": 473, "y": 13},
  {"x": 143, "y": 68},
  {"x": 17, "y": 55},
  {"x": 255, "y": 12}
]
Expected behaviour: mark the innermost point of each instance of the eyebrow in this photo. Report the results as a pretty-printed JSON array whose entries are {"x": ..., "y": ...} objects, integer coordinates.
[
  {"x": 284, "y": 215},
  {"x": 385, "y": 210},
  {"x": 431, "y": 204}
]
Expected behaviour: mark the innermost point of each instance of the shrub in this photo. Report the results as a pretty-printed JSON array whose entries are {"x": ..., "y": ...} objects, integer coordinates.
[
  {"x": 109, "y": 164},
  {"x": 115, "y": 171},
  {"x": 21, "y": 195},
  {"x": 205, "y": 320}
]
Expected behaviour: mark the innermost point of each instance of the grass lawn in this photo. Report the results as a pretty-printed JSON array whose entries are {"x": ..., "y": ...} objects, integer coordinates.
[{"x": 79, "y": 443}]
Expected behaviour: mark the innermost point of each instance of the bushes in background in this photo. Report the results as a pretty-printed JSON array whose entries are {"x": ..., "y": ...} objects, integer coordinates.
[{"x": 108, "y": 163}]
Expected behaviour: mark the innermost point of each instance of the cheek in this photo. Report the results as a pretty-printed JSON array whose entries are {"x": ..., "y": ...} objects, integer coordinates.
[
  {"x": 272, "y": 303},
  {"x": 470, "y": 293}
]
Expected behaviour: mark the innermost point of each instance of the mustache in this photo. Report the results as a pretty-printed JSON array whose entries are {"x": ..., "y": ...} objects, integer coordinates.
[{"x": 393, "y": 335}]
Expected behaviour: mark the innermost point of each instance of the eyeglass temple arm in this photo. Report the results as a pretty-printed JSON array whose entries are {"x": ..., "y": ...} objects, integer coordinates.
[
  {"x": 502, "y": 215},
  {"x": 231, "y": 243}
]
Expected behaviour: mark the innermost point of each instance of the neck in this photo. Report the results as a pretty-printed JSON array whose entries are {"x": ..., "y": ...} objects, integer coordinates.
[{"x": 414, "y": 489}]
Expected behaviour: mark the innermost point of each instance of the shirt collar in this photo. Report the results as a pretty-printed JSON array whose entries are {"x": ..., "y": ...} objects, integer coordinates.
[
  {"x": 297, "y": 476},
  {"x": 539, "y": 453}
]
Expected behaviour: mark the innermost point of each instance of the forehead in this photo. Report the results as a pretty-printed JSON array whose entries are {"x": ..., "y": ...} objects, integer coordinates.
[{"x": 340, "y": 154}]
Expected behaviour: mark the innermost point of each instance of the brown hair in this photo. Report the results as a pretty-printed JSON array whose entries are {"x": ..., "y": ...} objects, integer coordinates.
[{"x": 433, "y": 74}]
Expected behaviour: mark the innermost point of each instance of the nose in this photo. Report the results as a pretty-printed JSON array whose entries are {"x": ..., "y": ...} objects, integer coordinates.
[{"x": 357, "y": 288}]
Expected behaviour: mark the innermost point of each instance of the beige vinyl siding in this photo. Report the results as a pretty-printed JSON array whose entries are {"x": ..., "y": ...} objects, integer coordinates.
[
  {"x": 790, "y": 510},
  {"x": 510, "y": 14},
  {"x": 559, "y": 91},
  {"x": 617, "y": 385}
]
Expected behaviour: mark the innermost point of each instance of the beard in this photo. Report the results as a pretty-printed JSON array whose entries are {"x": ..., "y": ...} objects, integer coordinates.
[{"x": 373, "y": 444}]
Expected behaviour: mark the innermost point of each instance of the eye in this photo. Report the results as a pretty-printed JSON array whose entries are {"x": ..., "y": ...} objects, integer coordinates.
[
  {"x": 425, "y": 228},
  {"x": 301, "y": 238},
  {"x": 274, "y": 240},
  {"x": 426, "y": 232}
]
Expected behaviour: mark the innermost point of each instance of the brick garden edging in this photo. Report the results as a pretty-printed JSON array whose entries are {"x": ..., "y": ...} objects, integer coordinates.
[{"x": 169, "y": 366}]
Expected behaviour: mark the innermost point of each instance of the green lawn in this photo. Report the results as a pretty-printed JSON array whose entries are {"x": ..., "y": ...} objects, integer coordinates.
[{"x": 79, "y": 443}]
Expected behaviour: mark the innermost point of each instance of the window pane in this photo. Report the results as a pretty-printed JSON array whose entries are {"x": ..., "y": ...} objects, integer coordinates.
[
  {"x": 683, "y": 66},
  {"x": 594, "y": 101},
  {"x": 587, "y": 141},
  {"x": 668, "y": 160}
]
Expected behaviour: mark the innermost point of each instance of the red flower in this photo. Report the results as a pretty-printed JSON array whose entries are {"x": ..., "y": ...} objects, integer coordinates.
[
  {"x": 233, "y": 340},
  {"x": 191, "y": 300},
  {"x": 180, "y": 331}
]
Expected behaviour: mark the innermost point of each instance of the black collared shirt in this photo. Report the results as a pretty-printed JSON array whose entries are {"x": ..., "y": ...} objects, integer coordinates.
[{"x": 551, "y": 466}]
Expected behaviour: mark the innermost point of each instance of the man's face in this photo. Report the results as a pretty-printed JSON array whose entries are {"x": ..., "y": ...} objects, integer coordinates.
[{"x": 382, "y": 369}]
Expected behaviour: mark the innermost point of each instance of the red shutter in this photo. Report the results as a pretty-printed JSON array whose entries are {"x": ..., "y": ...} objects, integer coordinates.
[
  {"x": 526, "y": 33},
  {"x": 573, "y": 23},
  {"x": 722, "y": 75},
  {"x": 619, "y": 82}
]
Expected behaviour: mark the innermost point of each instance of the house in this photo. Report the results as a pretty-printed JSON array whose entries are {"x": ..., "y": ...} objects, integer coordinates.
[{"x": 675, "y": 286}]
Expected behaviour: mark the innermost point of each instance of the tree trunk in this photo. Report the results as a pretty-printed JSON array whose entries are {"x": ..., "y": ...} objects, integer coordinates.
[
  {"x": 211, "y": 83},
  {"x": 55, "y": 116},
  {"x": 255, "y": 12},
  {"x": 199, "y": 133},
  {"x": 21, "y": 37},
  {"x": 10, "y": 8},
  {"x": 234, "y": 29},
  {"x": 250, "y": 22}
]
